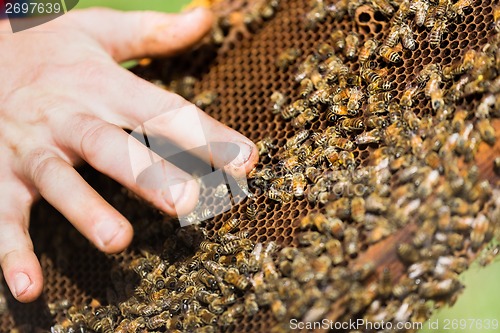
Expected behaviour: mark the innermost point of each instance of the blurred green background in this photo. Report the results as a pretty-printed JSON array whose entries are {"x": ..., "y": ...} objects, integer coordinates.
[
  {"x": 160, "y": 5},
  {"x": 481, "y": 298}
]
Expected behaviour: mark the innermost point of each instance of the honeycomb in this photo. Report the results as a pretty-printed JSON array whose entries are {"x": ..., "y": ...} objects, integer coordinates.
[{"x": 243, "y": 73}]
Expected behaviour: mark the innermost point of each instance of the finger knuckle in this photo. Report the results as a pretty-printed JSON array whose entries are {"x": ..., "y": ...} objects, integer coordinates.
[
  {"x": 91, "y": 134},
  {"x": 40, "y": 165}
]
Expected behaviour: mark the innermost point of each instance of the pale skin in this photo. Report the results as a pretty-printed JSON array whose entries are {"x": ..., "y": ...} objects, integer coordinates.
[{"x": 65, "y": 100}]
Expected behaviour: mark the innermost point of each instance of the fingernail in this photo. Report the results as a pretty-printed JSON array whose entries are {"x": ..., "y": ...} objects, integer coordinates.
[
  {"x": 21, "y": 283},
  {"x": 243, "y": 156},
  {"x": 107, "y": 231},
  {"x": 175, "y": 191}
]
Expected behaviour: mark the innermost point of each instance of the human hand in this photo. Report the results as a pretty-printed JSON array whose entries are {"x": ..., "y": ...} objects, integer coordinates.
[{"x": 64, "y": 99}]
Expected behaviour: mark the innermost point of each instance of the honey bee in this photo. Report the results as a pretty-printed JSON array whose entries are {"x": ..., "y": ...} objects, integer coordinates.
[
  {"x": 292, "y": 110},
  {"x": 157, "y": 321},
  {"x": 379, "y": 86},
  {"x": 442, "y": 8},
  {"x": 251, "y": 211},
  {"x": 269, "y": 268},
  {"x": 407, "y": 253},
  {"x": 306, "y": 67},
  {"x": 279, "y": 101},
  {"x": 314, "y": 157},
  {"x": 383, "y": 6},
  {"x": 411, "y": 119},
  {"x": 488, "y": 255},
  {"x": 340, "y": 208},
  {"x": 205, "y": 98},
  {"x": 358, "y": 210},
  {"x": 351, "y": 45},
  {"x": 362, "y": 297},
  {"x": 347, "y": 159},
  {"x": 352, "y": 124},
  {"x": 420, "y": 268},
  {"x": 332, "y": 225},
  {"x": 434, "y": 91},
  {"x": 434, "y": 289},
  {"x": 393, "y": 37},
  {"x": 305, "y": 117},
  {"x": 227, "y": 227},
  {"x": 341, "y": 143},
  {"x": 264, "y": 146},
  {"x": 255, "y": 258},
  {"x": 3, "y": 303},
  {"x": 54, "y": 307},
  {"x": 338, "y": 38},
  {"x": 430, "y": 19},
  {"x": 428, "y": 184},
  {"x": 389, "y": 54},
  {"x": 456, "y": 91},
  {"x": 128, "y": 325},
  {"x": 278, "y": 309},
  {"x": 407, "y": 38},
  {"x": 368, "y": 50},
  {"x": 376, "y": 108},
  {"x": 335, "y": 251},
  {"x": 233, "y": 246},
  {"x": 231, "y": 314},
  {"x": 205, "y": 296},
  {"x": 325, "y": 51},
  {"x": 376, "y": 122},
  {"x": 421, "y": 8},
  {"x": 385, "y": 283},
  {"x": 437, "y": 31},
  {"x": 409, "y": 95},
  {"x": 233, "y": 277},
  {"x": 353, "y": 104},
  {"x": 374, "y": 203},
  {"x": 306, "y": 87},
  {"x": 351, "y": 241},
  {"x": 341, "y": 96},
  {"x": 380, "y": 97},
  {"x": 480, "y": 229},
  {"x": 251, "y": 306},
  {"x": 335, "y": 111},
  {"x": 207, "y": 246},
  {"x": 287, "y": 58},
  {"x": 297, "y": 139},
  {"x": 496, "y": 18},
  {"x": 458, "y": 122},
  {"x": 298, "y": 184},
  {"x": 483, "y": 109},
  {"x": 476, "y": 87},
  {"x": 487, "y": 131},
  {"x": 450, "y": 71},
  {"x": 370, "y": 76},
  {"x": 496, "y": 165},
  {"x": 404, "y": 287},
  {"x": 316, "y": 15}
]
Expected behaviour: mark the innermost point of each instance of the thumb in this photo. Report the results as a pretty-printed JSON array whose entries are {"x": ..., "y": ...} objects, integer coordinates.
[{"x": 132, "y": 35}]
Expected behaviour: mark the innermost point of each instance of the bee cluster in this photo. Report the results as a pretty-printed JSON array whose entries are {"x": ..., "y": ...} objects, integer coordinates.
[
  {"x": 433, "y": 15},
  {"x": 194, "y": 294},
  {"x": 239, "y": 19},
  {"x": 421, "y": 171}
]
